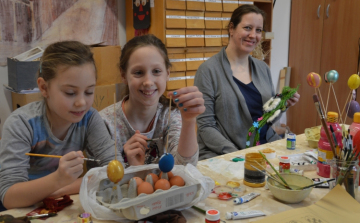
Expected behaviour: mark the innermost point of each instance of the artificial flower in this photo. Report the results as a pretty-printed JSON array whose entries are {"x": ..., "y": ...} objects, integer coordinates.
[{"x": 276, "y": 114}]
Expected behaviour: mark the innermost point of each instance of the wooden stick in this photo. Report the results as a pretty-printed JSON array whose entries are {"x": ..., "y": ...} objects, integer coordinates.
[
  {"x": 56, "y": 156},
  {"x": 345, "y": 104},
  {"x": 322, "y": 103},
  {"x": 115, "y": 125},
  {"x": 337, "y": 105},
  {"x": 277, "y": 173},
  {"x": 327, "y": 103},
  {"x": 167, "y": 137}
]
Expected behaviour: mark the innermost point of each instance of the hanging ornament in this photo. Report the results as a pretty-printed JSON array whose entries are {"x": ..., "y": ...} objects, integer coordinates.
[{"x": 141, "y": 15}]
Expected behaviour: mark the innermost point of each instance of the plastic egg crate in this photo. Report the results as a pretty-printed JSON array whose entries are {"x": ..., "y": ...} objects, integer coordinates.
[{"x": 115, "y": 196}]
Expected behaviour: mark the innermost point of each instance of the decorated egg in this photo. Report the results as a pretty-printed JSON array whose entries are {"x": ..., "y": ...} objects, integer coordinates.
[
  {"x": 115, "y": 171},
  {"x": 145, "y": 188},
  {"x": 166, "y": 162},
  {"x": 162, "y": 184},
  {"x": 177, "y": 180},
  {"x": 331, "y": 76},
  {"x": 354, "y": 81},
  {"x": 354, "y": 107},
  {"x": 313, "y": 79}
]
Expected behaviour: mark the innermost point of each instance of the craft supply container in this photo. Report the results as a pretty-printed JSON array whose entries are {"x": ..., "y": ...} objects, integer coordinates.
[
  {"x": 346, "y": 173},
  {"x": 252, "y": 177}
]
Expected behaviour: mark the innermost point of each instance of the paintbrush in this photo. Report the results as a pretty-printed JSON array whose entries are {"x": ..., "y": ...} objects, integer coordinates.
[
  {"x": 313, "y": 185},
  {"x": 51, "y": 214},
  {"x": 55, "y": 156},
  {"x": 323, "y": 123},
  {"x": 273, "y": 178},
  {"x": 154, "y": 139},
  {"x": 277, "y": 173}
]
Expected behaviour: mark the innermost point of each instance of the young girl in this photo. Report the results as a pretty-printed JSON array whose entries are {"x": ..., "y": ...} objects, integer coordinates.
[
  {"x": 64, "y": 123},
  {"x": 143, "y": 113}
]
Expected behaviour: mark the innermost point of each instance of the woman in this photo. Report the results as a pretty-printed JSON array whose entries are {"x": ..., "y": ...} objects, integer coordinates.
[{"x": 235, "y": 86}]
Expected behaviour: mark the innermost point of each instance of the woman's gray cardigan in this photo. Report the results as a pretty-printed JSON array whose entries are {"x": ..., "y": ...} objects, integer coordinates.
[{"x": 223, "y": 127}]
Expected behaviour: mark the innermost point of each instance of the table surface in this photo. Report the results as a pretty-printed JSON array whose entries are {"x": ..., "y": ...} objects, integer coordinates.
[{"x": 265, "y": 202}]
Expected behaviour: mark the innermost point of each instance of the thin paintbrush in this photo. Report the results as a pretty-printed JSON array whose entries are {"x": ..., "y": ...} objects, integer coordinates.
[
  {"x": 273, "y": 178},
  {"x": 274, "y": 175},
  {"x": 323, "y": 123},
  {"x": 277, "y": 173},
  {"x": 313, "y": 185},
  {"x": 154, "y": 139},
  {"x": 55, "y": 156}
]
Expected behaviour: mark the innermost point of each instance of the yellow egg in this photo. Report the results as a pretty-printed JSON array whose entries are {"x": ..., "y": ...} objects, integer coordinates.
[
  {"x": 354, "y": 81},
  {"x": 115, "y": 171}
]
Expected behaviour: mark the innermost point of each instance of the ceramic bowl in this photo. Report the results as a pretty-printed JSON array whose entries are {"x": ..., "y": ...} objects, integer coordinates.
[{"x": 290, "y": 196}]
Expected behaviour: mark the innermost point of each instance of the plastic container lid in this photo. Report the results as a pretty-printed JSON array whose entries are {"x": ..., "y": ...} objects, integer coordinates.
[
  {"x": 212, "y": 215},
  {"x": 332, "y": 117},
  {"x": 357, "y": 117},
  {"x": 284, "y": 159}
]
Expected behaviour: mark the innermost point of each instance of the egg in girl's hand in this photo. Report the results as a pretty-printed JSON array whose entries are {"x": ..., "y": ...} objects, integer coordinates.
[
  {"x": 170, "y": 174},
  {"x": 145, "y": 188},
  {"x": 138, "y": 181},
  {"x": 162, "y": 184},
  {"x": 154, "y": 177},
  {"x": 177, "y": 180}
]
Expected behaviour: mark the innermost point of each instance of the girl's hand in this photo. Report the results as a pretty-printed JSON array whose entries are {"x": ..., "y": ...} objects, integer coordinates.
[
  {"x": 70, "y": 167},
  {"x": 292, "y": 101},
  {"x": 135, "y": 149},
  {"x": 190, "y": 101}
]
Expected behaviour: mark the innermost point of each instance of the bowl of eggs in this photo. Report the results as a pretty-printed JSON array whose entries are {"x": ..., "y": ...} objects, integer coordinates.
[{"x": 147, "y": 192}]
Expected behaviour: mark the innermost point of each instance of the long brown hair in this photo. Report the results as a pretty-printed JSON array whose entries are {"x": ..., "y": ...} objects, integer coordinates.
[
  {"x": 64, "y": 53},
  {"x": 136, "y": 43}
]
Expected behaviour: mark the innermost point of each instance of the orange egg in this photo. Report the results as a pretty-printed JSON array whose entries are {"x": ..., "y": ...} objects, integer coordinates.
[
  {"x": 145, "y": 188},
  {"x": 138, "y": 181},
  {"x": 162, "y": 184},
  {"x": 170, "y": 174},
  {"x": 155, "y": 178},
  {"x": 177, "y": 180}
]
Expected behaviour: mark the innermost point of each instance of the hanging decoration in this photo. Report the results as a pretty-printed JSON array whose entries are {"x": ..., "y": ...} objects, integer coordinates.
[
  {"x": 272, "y": 109},
  {"x": 141, "y": 12}
]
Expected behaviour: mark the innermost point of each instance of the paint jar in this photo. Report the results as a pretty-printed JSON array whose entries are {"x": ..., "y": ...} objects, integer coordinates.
[
  {"x": 284, "y": 165},
  {"x": 291, "y": 141},
  {"x": 252, "y": 177},
  {"x": 212, "y": 216},
  {"x": 325, "y": 153},
  {"x": 355, "y": 126},
  {"x": 346, "y": 173}
]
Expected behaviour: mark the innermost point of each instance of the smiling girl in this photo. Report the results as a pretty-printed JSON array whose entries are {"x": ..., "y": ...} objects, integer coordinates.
[
  {"x": 64, "y": 124},
  {"x": 143, "y": 112}
]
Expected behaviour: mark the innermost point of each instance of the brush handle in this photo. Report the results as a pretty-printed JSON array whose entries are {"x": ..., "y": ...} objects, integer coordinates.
[{"x": 313, "y": 185}]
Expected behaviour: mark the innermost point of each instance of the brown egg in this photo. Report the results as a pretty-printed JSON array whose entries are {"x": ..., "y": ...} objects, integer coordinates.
[
  {"x": 170, "y": 174},
  {"x": 177, "y": 180},
  {"x": 145, "y": 188},
  {"x": 162, "y": 184},
  {"x": 138, "y": 180},
  {"x": 154, "y": 177}
]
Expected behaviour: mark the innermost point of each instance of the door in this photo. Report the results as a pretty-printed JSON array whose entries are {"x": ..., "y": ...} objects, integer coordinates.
[{"x": 306, "y": 28}]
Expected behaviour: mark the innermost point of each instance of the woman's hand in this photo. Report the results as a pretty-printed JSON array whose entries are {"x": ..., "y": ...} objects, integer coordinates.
[
  {"x": 190, "y": 102},
  {"x": 70, "y": 167},
  {"x": 292, "y": 101},
  {"x": 135, "y": 149}
]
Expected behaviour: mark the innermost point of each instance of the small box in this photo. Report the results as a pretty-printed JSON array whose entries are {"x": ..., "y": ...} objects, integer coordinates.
[
  {"x": 175, "y": 38},
  {"x": 230, "y": 5},
  {"x": 194, "y": 60},
  {"x": 175, "y": 4},
  {"x": 213, "y": 20},
  {"x": 213, "y": 5},
  {"x": 175, "y": 19},
  {"x": 190, "y": 75},
  {"x": 213, "y": 38},
  {"x": 195, "y": 37},
  {"x": 19, "y": 100},
  {"x": 195, "y": 20},
  {"x": 177, "y": 80},
  {"x": 198, "y": 5},
  {"x": 22, "y": 75},
  {"x": 224, "y": 37},
  {"x": 226, "y": 16},
  {"x": 178, "y": 62},
  {"x": 107, "y": 59},
  {"x": 207, "y": 55}
]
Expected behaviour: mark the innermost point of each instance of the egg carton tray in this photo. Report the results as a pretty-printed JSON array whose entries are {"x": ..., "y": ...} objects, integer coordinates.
[{"x": 114, "y": 196}]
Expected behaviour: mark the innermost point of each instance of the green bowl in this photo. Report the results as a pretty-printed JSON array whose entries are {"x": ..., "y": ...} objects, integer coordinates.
[{"x": 290, "y": 196}]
